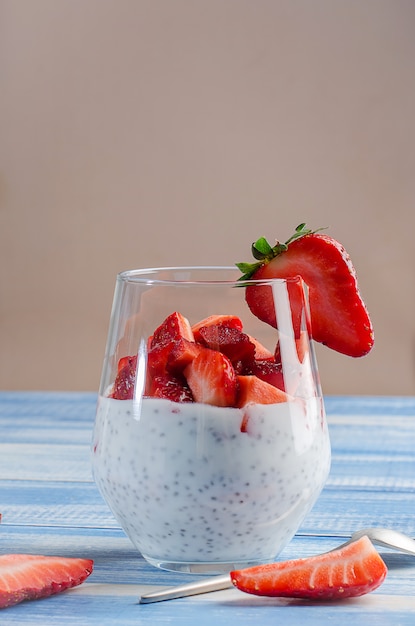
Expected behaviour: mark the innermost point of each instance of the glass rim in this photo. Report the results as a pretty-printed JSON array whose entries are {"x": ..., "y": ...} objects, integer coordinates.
[{"x": 150, "y": 276}]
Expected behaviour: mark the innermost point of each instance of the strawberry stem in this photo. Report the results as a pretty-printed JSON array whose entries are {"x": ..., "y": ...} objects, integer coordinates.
[{"x": 264, "y": 253}]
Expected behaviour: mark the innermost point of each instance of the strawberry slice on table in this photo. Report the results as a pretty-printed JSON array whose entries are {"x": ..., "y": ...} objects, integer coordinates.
[
  {"x": 28, "y": 577},
  {"x": 354, "y": 570},
  {"x": 211, "y": 378},
  {"x": 339, "y": 317}
]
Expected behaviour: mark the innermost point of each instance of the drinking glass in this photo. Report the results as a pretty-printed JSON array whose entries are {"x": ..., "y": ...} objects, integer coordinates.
[{"x": 213, "y": 478}]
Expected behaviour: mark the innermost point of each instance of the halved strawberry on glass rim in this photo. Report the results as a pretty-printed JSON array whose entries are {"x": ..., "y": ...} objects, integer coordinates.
[{"x": 339, "y": 317}]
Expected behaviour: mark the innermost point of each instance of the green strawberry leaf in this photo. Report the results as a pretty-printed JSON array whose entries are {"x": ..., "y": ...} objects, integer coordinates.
[
  {"x": 264, "y": 252},
  {"x": 261, "y": 249}
]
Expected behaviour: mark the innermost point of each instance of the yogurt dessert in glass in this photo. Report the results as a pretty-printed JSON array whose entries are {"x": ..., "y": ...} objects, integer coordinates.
[{"x": 210, "y": 443}]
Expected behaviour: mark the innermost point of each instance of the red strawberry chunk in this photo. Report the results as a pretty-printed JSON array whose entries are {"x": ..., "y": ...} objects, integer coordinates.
[
  {"x": 253, "y": 390},
  {"x": 235, "y": 344},
  {"x": 261, "y": 352},
  {"x": 157, "y": 358},
  {"x": 212, "y": 378},
  {"x": 174, "y": 327},
  {"x": 270, "y": 372},
  {"x": 124, "y": 384},
  {"x": 301, "y": 344},
  {"x": 353, "y": 570},
  {"x": 181, "y": 354},
  {"x": 172, "y": 388},
  {"x": 27, "y": 577},
  {"x": 171, "y": 349},
  {"x": 230, "y": 321}
]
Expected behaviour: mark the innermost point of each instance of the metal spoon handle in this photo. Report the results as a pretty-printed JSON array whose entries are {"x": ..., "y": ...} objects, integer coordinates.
[{"x": 191, "y": 589}]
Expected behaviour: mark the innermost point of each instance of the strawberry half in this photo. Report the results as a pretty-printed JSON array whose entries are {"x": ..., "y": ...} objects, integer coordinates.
[
  {"x": 353, "y": 570},
  {"x": 339, "y": 318},
  {"x": 27, "y": 577}
]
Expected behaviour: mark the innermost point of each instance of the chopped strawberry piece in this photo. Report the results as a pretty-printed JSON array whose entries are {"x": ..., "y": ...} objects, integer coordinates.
[
  {"x": 174, "y": 335},
  {"x": 339, "y": 318},
  {"x": 230, "y": 321},
  {"x": 212, "y": 378},
  {"x": 174, "y": 327},
  {"x": 270, "y": 372},
  {"x": 235, "y": 344},
  {"x": 181, "y": 354},
  {"x": 157, "y": 359},
  {"x": 172, "y": 388},
  {"x": 125, "y": 380},
  {"x": 351, "y": 571},
  {"x": 301, "y": 345},
  {"x": 124, "y": 362},
  {"x": 27, "y": 577},
  {"x": 261, "y": 352},
  {"x": 253, "y": 390}
]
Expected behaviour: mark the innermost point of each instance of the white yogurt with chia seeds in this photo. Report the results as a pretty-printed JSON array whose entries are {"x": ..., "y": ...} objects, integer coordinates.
[{"x": 190, "y": 489}]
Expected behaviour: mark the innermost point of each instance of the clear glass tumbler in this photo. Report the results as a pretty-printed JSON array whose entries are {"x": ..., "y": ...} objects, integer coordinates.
[{"x": 210, "y": 443}]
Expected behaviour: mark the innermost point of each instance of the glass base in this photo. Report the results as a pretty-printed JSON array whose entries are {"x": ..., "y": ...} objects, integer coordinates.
[{"x": 203, "y": 568}]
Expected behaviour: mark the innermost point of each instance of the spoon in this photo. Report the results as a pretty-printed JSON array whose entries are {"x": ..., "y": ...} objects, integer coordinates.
[{"x": 382, "y": 536}]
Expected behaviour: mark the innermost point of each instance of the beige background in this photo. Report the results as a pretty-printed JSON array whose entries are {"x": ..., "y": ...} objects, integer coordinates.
[{"x": 156, "y": 132}]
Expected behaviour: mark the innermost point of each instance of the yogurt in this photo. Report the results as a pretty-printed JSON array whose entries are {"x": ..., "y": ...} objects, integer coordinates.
[{"x": 193, "y": 490}]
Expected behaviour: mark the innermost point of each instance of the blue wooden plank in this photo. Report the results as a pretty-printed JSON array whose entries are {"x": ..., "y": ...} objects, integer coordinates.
[
  {"x": 117, "y": 605},
  {"x": 38, "y": 462}
]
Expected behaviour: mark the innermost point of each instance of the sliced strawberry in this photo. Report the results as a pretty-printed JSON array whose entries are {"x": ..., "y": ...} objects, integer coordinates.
[
  {"x": 174, "y": 327},
  {"x": 157, "y": 358},
  {"x": 270, "y": 372},
  {"x": 27, "y": 577},
  {"x": 235, "y": 344},
  {"x": 261, "y": 352},
  {"x": 212, "y": 378},
  {"x": 172, "y": 388},
  {"x": 124, "y": 362},
  {"x": 353, "y": 570},
  {"x": 301, "y": 344},
  {"x": 181, "y": 354},
  {"x": 339, "y": 317},
  {"x": 124, "y": 384},
  {"x": 253, "y": 390},
  {"x": 230, "y": 321},
  {"x": 174, "y": 334}
]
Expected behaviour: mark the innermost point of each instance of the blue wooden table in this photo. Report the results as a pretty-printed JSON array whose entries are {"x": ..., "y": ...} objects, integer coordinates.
[{"x": 50, "y": 505}]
